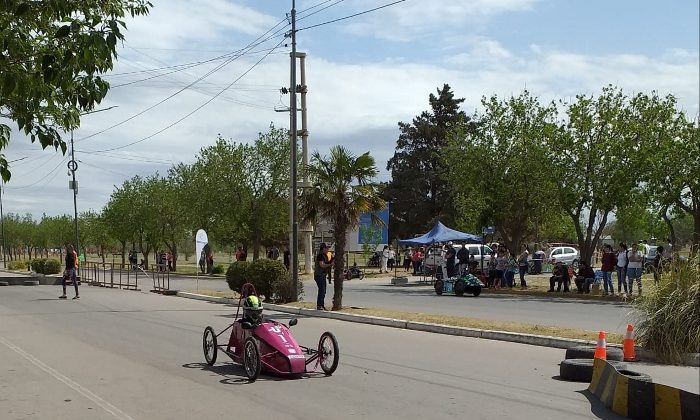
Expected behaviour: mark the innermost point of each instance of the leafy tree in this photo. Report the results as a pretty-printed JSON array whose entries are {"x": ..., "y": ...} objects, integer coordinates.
[
  {"x": 418, "y": 193},
  {"x": 597, "y": 162},
  {"x": 372, "y": 237},
  {"x": 342, "y": 189},
  {"x": 119, "y": 218},
  {"x": 497, "y": 171},
  {"x": 51, "y": 57},
  {"x": 265, "y": 179},
  {"x": 673, "y": 169},
  {"x": 93, "y": 232}
]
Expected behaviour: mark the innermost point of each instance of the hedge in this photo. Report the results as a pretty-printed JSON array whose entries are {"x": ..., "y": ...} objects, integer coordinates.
[
  {"x": 17, "y": 265},
  {"x": 46, "y": 266}
]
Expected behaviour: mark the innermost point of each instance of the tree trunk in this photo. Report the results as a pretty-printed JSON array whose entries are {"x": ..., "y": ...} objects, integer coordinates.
[
  {"x": 695, "y": 247},
  {"x": 669, "y": 223},
  {"x": 339, "y": 234},
  {"x": 256, "y": 245},
  {"x": 123, "y": 244}
]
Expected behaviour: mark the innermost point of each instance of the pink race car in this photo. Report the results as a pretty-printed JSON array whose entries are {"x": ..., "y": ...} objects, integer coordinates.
[{"x": 268, "y": 345}]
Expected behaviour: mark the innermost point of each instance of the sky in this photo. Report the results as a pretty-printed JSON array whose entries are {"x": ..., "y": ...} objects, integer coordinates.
[{"x": 364, "y": 75}]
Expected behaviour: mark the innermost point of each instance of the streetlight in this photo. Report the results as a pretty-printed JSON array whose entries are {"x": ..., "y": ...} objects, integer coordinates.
[{"x": 73, "y": 185}]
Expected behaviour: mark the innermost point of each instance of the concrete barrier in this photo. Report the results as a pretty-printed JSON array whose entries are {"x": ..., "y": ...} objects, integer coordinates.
[
  {"x": 399, "y": 280},
  {"x": 636, "y": 399}
]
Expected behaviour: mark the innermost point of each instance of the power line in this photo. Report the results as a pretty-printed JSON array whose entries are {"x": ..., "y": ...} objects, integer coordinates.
[
  {"x": 351, "y": 16},
  {"x": 105, "y": 169},
  {"x": 219, "y": 67},
  {"x": 42, "y": 178},
  {"x": 174, "y": 71},
  {"x": 135, "y": 158},
  {"x": 320, "y": 10},
  {"x": 190, "y": 113}
]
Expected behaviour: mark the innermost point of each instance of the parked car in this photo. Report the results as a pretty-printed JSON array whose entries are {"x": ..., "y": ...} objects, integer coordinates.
[{"x": 566, "y": 254}]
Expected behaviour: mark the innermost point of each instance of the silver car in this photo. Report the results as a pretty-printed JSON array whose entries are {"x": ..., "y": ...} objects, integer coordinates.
[{"x": 566, "y": 254}]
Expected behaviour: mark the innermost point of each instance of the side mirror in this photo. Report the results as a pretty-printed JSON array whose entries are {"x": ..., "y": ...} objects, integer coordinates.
[
  {"x": 293, "y": 322},
  {"x": 246, "y": 325}
]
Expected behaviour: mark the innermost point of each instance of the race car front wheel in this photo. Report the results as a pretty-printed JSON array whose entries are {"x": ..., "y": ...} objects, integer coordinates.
[
  {"x": 209, "y": 346},
  {"x": 328, "y": 353}
]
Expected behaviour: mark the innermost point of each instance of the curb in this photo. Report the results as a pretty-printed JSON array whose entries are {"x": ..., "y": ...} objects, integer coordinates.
[{"x": 535, "y": 340}]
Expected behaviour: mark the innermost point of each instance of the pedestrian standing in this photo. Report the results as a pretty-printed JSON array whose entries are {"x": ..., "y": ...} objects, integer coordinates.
[
  {"x": 501, "y": 267},
  {"x": 608, "y": 267},
  {"x": 407, "y": 255},
  {"x": 634, "y": 268},
  {"x": 202, "y": 261},
  {"x": 286, "y": 258},
  {"x": 392, "y": 258},
  {"x": 522, "y": 265},
  {"x": 657, "y": 264},
  {"x": 450, "y": 259},
  {"x": 463, "y": 257},
  {"x": 329, "y": 270},
  {"x": 320, "y": 268},
  {"x": 384, "y": 260},
  {"x": 621, "y": 267},
  {"x": 69, "y": 273}
]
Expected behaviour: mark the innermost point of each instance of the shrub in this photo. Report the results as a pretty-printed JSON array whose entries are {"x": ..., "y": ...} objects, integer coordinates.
[
  {"x": 44, "y": 266},
  {"x": 52, "y": 266},
  {"x": 17, "y": 265},
  {"x": 669, "y": 312},
  {"x": 217, "y": 269},
  {"x": 269, "y": 277},
  {"x": 38, "y": 265},
  {"x": 282, "y": 289},
  {"x": 236, "y": 275}
]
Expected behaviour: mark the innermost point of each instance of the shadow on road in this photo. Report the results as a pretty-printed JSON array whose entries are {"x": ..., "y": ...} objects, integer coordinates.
[
  {"x": 597, "y": 408},
  {"x": 235, "y": 375}
]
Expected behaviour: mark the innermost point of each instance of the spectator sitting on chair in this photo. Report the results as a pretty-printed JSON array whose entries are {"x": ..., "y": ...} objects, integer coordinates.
[
  {"x": 584, "y": 278},
  {"x": 559, "y": 275}
]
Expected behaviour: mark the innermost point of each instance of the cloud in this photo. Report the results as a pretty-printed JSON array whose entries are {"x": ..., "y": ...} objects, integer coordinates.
[
  {"x": 412, "y": 19},
  {"x": 357, "y": 104}
]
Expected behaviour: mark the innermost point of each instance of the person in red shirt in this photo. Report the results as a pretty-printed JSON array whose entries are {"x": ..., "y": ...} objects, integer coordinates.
[{"x": 609, "y": 261}]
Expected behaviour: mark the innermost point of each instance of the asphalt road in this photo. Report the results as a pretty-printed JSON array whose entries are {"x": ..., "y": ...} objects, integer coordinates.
[
  {"x": 130, "y": 355},
  {"x": 554, "y": 310}
]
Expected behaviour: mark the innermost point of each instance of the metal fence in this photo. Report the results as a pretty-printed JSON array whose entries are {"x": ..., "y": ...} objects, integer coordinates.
[{"x": 125, "y": 276}]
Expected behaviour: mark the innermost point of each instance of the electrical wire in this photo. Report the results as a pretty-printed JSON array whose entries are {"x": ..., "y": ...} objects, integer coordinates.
[
  {"x": 219, "y": 67},
  {"x": 42, "y": 178},
  {"x": 190, "y": 113},
  {"x": 135, "y": 158},
  {"x": 105, "y": 169},
  {"x": 171, "y": 72},
  {"x": 320, "y": 10},
  {"x": 351, "y": 16}
]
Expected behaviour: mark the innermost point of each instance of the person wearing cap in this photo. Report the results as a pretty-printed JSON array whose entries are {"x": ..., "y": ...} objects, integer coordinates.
[
  {"x": 560, "y": 275},
  {"x": 320, "y": 269}
]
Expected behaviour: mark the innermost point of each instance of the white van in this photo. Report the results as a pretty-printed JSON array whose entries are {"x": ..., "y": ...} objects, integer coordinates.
[{"x": 434, "y": 256}]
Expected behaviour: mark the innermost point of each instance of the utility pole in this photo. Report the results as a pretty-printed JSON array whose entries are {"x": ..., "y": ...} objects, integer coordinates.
[
  {"x": 72, "y": 167},
  {"x": 294, "y": 244},
  {"x": 308, "y": 228}
]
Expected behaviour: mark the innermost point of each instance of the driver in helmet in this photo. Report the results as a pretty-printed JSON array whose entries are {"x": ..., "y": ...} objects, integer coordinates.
[{"x": 252, "y": 310}]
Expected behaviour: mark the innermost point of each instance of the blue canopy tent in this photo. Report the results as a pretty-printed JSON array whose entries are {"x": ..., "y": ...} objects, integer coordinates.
[{"x": 440, "y": 234}]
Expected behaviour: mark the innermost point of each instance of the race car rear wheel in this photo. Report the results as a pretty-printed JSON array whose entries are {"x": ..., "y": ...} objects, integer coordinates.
[
  {"x": 439, "y": 287},
  {"x": 251, "y": 359},
  {"x": 209, "y": 346},
  {"x": 328, "y": 353},
  {"x": 476, "y": 291}
]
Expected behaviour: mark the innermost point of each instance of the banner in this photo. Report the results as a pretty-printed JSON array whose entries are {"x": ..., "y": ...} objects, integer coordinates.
[{"x": 200, "y": 241}]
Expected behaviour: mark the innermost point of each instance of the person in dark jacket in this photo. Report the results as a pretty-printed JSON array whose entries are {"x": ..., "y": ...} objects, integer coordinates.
[
  {"x": 560, "y": 276},
  {"x": 584, "y": 278},
  {"x": 69, "y": 273},
  {"x": 609, "y": 260}
]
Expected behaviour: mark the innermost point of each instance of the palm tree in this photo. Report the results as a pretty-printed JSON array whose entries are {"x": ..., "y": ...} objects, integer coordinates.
[{"x": 341, "y": 191}]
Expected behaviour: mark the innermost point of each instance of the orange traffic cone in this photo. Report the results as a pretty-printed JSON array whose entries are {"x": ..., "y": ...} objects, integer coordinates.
[
  {"x": 628, "y": 345},
  {"x": 600, "y": 349}
]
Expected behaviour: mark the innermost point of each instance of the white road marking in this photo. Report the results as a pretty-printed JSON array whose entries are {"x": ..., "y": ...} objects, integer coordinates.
[{"x": 66, "y": 380}]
